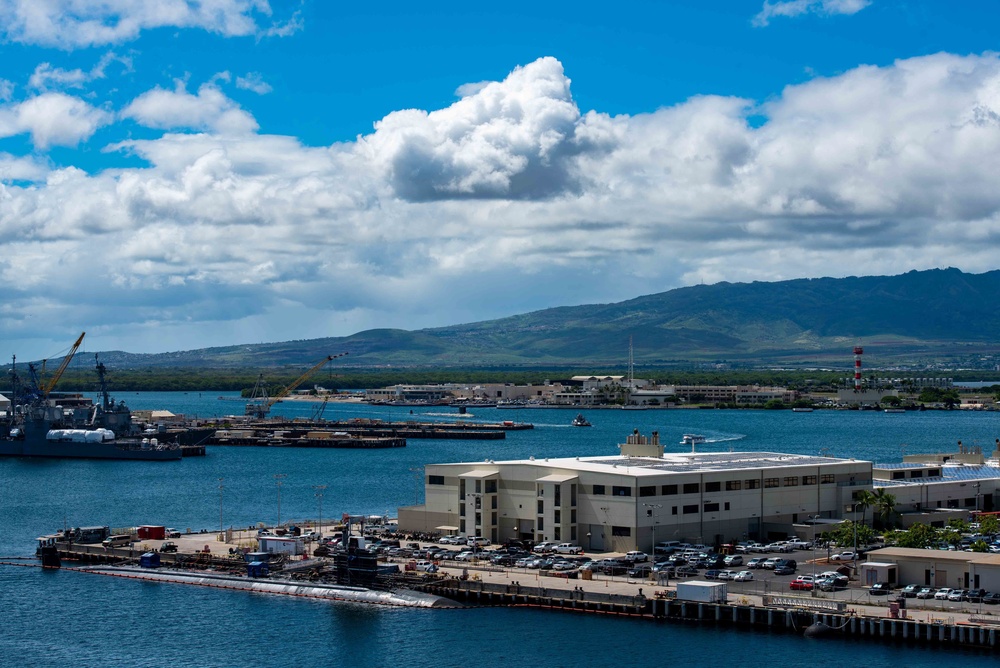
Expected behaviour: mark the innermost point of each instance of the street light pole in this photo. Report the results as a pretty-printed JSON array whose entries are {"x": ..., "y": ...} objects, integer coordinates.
[
  {"x": 221, "y": 525},
  {"x": 319, "y": 496},
  {"x": 279, "y": 479},
  {"x": 652, "y": 513}
]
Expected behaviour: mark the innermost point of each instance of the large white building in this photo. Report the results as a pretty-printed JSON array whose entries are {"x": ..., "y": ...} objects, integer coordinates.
[{"x": 638, "y": 497}]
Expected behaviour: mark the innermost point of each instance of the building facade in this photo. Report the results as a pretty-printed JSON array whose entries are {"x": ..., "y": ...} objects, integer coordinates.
[{"x": 638, "y": 497}]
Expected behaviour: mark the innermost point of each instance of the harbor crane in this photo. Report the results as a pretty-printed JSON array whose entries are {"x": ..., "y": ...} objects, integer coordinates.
[{"x": 259, "y": 407}]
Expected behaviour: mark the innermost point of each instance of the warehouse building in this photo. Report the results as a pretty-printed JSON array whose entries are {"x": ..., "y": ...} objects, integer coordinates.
[{"x": 638, "y": 497}]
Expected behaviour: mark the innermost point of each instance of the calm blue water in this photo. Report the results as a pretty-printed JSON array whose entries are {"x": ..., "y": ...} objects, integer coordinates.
[{"x": 55, "y": 617}]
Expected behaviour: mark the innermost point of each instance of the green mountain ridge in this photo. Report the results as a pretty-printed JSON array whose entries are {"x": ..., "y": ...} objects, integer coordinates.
[{"x": 920, "y": 314}]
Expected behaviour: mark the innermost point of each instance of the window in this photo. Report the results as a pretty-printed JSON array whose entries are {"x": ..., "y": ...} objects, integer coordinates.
[
  {"x": 791, "y": 481},
  {"x": 493, "y": 518},
  {"x": 493, "y": 502},
  {"x": 932, "y": 473},
  {"x": 461, "y": 489},
  {"x": 572, "y": 494},
  {"x": 688, "y": 510},
  {"x": 898, "y": 475},
  {"x": 461, "y": 526},
  {"x": 711, "y": 507},
  {"x": 691, "y": 487},
  {"x": 727, "y": 505},
  {"x": 668, "y": 490},
  {"x": 969, "y": 503},
  {"x": 572, "y": 516},
  {"x": 673, "y": 510},
  {"x": 558, "y": 533},
  {"x": 916, "y": 474},
  {"x": 479, "y": 486},
  {"x": 491, "y": 486},
  {"x": 713, "y": 486},
  {"x": 541, "y": 524},
  {"x": 541, "y": 507},
  {"x": 770, "y": 482},
  {"x": 558, "y": 499},
  {"x": 826, "y": 479},
  {"x": 647, "y": 491},
  {"x": 599, "y": 490},
  {"x": 557, "y": 517},
  {"x": 621, "y": 531},
  {"x": 734, "y": 485},
  {"x": 808, "y": 480},
  {"x": 461, "y": 510},
  {"x": 752, "y": 484},
  {"x": 435, "y": 480},
  {"x": 617, "y": 490}
]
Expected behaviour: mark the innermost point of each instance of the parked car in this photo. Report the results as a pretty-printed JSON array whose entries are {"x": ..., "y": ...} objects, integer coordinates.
[
  {"x": 942, "y": 594},
  {"x": 756, "y": 562},
  {"x": 784, "y": 569},
  {"x": 926, "y": 592},
  {"x": 976, "y": 595},
  {"x": 880, "y": 589},
  {"x": 800, "y": 585},
  {"x": 743, "y": 576},
  {"x": 168, "y": 546},
  {"x": 991, "y": 598},
  {"x": 958, "y": 595},
  {"x": 477, "y": 541},
  {"x": 466, "y": 555},
  {"x": 780, "y": 547},
  {"x": 844, "y": 556},
  {"x": 711, "y": 574},
  {"x": 727, "y": 575},
  {"x": 636, "y": 556},
  {"x": 640, "y": 571},
  {"x": 909, "y": 591},
  {"x": 543, "y": 547},
  {"x": 734, "y": 560},
  {"x": 771, "y": 563},
  {"x": 173, "y": 533}
]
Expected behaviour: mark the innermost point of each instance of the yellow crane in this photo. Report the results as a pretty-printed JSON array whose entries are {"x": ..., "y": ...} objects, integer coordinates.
[
  {"x": 47, "y": 387},
  {"x": 260, "y": 408}
]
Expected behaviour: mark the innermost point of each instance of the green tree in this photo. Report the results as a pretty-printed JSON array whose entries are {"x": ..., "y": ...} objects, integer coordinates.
[
  {"x": 884, "y": 505},
  {"x": 989, "y": 525},
  {"x": 918, "y": 536},
  {"x": 864, "y": 500}
]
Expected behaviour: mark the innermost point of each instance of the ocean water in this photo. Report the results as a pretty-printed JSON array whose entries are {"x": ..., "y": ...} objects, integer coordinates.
[{"x": 55, "y": 617}]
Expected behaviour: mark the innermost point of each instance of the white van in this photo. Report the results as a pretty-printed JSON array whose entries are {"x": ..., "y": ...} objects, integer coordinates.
[{"x": 117, "y": 541}]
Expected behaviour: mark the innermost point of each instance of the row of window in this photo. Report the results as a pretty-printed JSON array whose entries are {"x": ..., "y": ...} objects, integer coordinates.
[{"x": 716, "y": 486}]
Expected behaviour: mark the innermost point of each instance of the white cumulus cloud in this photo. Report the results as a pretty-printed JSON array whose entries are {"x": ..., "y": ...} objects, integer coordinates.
[
  {"x": 70, "y": 24},
  {"x": 792, "y": 8},
  {"x": 52, "y": 119},
  {"x": 209, "y": 109},
  {"x": 506, "y": 200}
]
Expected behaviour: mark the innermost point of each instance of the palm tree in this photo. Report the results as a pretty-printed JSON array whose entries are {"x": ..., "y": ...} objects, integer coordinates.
[
  {"x": 884, "y": 505},
  {"x": 864, "y": 500}
]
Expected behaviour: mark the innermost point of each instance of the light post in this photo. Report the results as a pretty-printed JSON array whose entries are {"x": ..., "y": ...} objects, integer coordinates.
[
  {"x": 221, "y": 525},
  {"x": 651, "y": 512},
  {"x": 813, "y": 518},
  {"x": 319, "y": 497},
  {"x": 279, "y": 479},
  {"x": 854, "y": 523}
]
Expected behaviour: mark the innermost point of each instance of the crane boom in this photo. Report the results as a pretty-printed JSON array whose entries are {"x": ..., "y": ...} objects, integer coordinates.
[
  {"x": 47, "y": 387},
  {"x": 261, "y": 408}
]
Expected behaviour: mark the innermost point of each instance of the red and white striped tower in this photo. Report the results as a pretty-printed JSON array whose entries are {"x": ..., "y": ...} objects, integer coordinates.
[{"x": 858, "y": 352}]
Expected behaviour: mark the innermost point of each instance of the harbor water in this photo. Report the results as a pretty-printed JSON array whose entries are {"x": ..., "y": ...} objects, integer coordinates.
[{"x": 52, "y": 618}]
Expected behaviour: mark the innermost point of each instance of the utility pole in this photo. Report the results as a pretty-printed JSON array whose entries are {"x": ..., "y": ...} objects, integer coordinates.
[
  {"x": 319, "y": 496},
  {"x": 279, "y": 479}
]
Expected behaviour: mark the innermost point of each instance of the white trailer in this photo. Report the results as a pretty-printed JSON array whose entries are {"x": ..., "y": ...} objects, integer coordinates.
[
  {"x": 279, "y": 545},
  {"x": 703, "y": 592}
]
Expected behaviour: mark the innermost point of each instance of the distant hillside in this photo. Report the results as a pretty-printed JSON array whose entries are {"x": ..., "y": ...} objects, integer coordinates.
[{"x": 932, "y": 314}]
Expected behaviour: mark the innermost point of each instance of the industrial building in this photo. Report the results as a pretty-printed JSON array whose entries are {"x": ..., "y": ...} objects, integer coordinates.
[{"x": 638, "y": 497}]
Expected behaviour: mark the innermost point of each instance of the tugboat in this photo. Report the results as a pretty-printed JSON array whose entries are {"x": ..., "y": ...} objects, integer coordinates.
[{"x": 580, "y": 421}]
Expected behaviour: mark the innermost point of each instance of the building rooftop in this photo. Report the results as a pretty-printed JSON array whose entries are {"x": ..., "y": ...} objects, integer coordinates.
[
  {"x": 949, "y": 473},
  {"x": 680, "y": 463}
]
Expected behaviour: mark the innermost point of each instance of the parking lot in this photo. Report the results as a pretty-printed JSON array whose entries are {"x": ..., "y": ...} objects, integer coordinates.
[{"x": 586, "y": 569}]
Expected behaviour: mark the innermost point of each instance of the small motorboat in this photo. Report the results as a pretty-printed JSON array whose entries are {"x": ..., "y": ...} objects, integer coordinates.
[{"x": 580, "y": 421}]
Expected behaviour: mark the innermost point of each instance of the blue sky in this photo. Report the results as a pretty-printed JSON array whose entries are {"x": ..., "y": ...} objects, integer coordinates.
[{"x": 187, "y": 173}]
